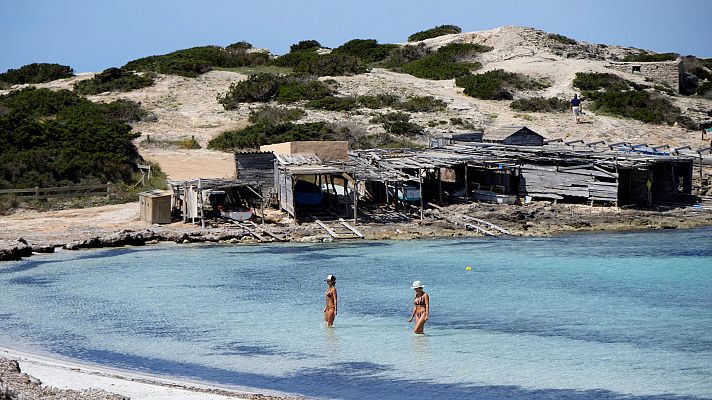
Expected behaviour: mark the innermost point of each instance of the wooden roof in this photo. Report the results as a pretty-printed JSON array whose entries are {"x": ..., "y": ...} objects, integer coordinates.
[{"x": 504, "y": 132}]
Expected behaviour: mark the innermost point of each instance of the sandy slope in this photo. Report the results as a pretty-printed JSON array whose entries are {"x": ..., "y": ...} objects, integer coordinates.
[{"x": 188, "y": 107}]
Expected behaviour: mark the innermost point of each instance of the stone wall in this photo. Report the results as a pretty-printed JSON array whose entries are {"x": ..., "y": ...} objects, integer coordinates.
[{"x": 665, "y": 72}]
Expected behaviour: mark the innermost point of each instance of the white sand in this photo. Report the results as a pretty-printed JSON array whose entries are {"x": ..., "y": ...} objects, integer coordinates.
[{"x": 72, "y": 375}]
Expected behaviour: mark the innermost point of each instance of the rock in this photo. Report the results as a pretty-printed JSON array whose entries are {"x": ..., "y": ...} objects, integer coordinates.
[
  {"x": 42, "y": 249},
  {"x": 14, "y": 251}
]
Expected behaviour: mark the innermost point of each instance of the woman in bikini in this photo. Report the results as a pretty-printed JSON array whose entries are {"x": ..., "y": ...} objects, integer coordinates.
[
  {"x": 421, "y": 307},
  {"x": 331, "y": 302}
]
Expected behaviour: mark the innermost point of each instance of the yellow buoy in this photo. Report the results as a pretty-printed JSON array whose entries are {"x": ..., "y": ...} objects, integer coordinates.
[{"x": 468, "y": 268}]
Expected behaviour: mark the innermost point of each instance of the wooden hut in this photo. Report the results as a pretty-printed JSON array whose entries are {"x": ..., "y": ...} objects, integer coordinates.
[
  {"x": 155, "y": 206},
  {"x": 514, "y": 135},
  {"x": 257, "y": 166}
]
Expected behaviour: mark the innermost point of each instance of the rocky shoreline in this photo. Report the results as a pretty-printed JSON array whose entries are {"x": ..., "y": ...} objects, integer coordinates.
[{"x": 537, "y": 219}]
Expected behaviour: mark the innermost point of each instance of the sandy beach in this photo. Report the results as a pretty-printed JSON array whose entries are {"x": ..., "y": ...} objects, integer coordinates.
[{"x": 48, "y": 377}]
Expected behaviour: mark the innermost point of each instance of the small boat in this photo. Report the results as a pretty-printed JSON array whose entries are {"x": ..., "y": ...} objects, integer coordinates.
[
  {"x": 237, "y": 215},
  {"x": 492, "y": 197},
  {"x": 307, "y": 193},
  {"x": 406, "y": 192}
]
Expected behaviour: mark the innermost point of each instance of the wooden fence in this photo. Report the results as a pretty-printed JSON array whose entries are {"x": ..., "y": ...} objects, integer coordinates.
[{"x": 38, "y": 193}]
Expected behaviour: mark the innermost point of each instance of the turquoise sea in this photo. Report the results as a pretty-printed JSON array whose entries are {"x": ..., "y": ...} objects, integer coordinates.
[{"x": 586, "y": 316}]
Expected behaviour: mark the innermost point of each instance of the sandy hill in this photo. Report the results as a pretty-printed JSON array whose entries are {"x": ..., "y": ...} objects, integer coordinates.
[{"x": 188, "y": 107}]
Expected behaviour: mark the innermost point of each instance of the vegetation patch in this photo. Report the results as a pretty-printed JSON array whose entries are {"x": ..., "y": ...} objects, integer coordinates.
[
  {"x": 379, "y": 101},
  {"x": 269, "y": 115},
  {"x": 421, "y": 104},
  {"x": 398, "y": 123},
  {"x": 597, "y": 81},
  {"x": 267, "y": 87},
  {"x": 53, "y": 138},
  {"x": 112, "y": 80},
  {"x": 613, "y": 95},
  {"x": 331, "y": 65},
  {"x": 199, "y": 60},
  {"x": 36, "y": 73},
  {"x": 254, "y": 136},
  {"x": 645, "y": 56},
  {"x": 540, "y": 104},
  {"x": 183, "y": 144},
  {"x": 333, "y": 103},
  {"x": 401, "y": 55},
  {"x": 705, "y": 89},
  {"x": 434, "y": 32},
  {"x": 447, "y": 62},
  {"x": 367, "y": 50},
  {"x": 497, "y": 84},
  {"x": 561, "y": 39}
]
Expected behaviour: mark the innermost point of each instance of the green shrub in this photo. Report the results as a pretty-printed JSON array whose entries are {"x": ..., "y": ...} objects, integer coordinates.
[
  {"x": 398, "y": 123},
  {"x": 422, "y": 104},
  {"x": 596, "y": 81},
  {"x": 262, "y": 88},
  {"x": 379, "y": 101},
  {"x": 198, "y": 60},
  {"x": 257, "y": 88},
  {"x": 404, "y": 54},
  {"x": 635, "y": 104},
  {"x": 497, "y": 84},
  {"x": 275, "y": 115},
  {"x": 112, "y": 80},
  {"x": 239, "y": 46},
  {"x": 446, "y": 62},
  {"x": 540, "y": 104},
  {"x": 367, "y": 50},
  {"x": 434, "y": 32},
  {"x": 294, "y": 58},
  {"x": 305, "y": 45},
  {"x": 644, "y": 56},
  {"x": 36, "y": 73},
  {"x": 53, "y": 138},
  {"x": 705, "y": 88},
  {"x": 295, "y": 89},
  {"x": 702, "y": 73},
  {"x": 561, "y": 38},
  {"x": 331, "y": 65},
  {"x": 254, "y": 136},
  {"x": 332, "y": 103}
]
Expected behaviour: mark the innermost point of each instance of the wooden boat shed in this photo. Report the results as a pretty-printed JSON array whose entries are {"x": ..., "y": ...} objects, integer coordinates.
[{"x": 539, "y": 172}]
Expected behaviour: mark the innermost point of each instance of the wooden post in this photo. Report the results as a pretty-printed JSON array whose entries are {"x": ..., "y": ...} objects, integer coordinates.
[
  {"x": 37, "y": 192},
  {"x": 184, "y": 206},
  {"x": 440, "y": 187},
  {"x": 420, "y": 181},
  {"x": 355, "y": 201},
  {"x": 395, "y": 196},
  {"x": 385, "y": 182},
  {"x": 700, "y": 168},
  {"x": 467, "y": 184},
  {"x": 200, "y": 203}
]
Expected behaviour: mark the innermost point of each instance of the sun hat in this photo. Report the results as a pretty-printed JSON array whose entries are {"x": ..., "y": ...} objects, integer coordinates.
[
  {"x": 417, "y": 284},
  {"x": 331, "y": 278}
]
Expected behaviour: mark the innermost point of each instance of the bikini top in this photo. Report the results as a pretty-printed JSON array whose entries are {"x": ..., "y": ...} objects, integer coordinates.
[{"x": 419, "y": 301}]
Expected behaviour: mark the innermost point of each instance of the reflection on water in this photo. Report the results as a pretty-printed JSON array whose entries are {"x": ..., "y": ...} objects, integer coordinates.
[{"x": 604, "y": 316}]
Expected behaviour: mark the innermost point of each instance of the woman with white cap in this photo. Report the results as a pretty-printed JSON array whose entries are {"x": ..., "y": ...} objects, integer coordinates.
[
  {"x": 331, "y": 301},
  {"x": 421, "y": 306}
]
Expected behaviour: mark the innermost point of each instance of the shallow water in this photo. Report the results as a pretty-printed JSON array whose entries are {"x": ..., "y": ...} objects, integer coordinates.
[{"x": 598, "y": 316}]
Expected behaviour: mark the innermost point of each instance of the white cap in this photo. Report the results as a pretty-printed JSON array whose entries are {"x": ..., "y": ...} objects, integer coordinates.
[
  {"x": 330, "y": 278},
  {"x": 417, "y": 284}
]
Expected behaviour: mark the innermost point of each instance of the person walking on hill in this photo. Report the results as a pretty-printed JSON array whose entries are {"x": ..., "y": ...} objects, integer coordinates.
[{"x": 576, "y": 107}]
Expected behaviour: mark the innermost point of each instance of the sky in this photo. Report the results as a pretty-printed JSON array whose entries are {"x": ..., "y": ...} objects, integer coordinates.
[{"x": 92, "y": 35}]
